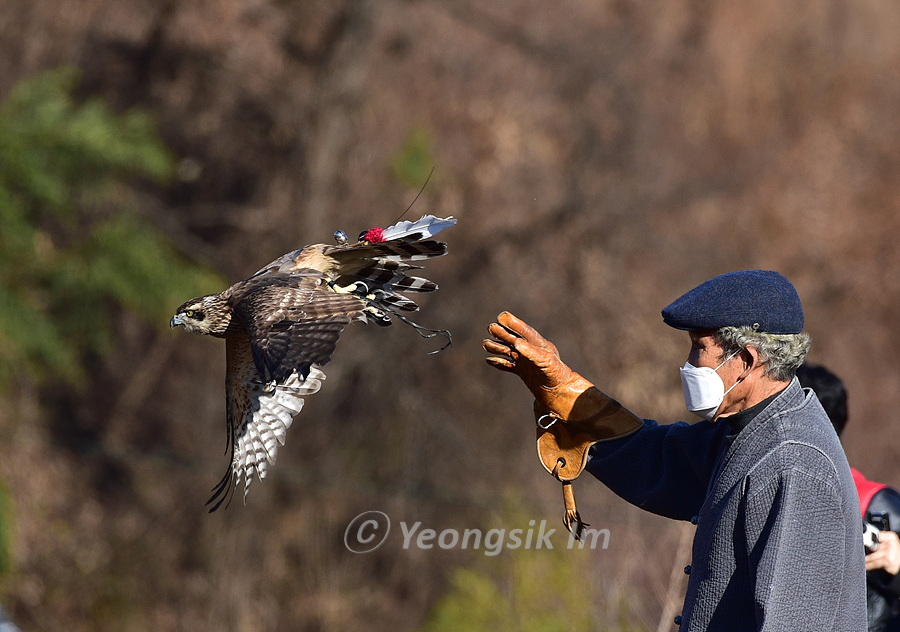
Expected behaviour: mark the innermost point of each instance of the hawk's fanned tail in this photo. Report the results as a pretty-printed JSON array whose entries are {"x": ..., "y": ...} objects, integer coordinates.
[
  {"x": 377, "y": 272},
  {"x": 393, "y": 274},
  {"x": 381, "y": 282}
]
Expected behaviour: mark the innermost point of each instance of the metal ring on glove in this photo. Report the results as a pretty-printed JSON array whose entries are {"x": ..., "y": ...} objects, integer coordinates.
[
  {"x": 554, "y": 419},
  {"x": 560, "y": 463}
]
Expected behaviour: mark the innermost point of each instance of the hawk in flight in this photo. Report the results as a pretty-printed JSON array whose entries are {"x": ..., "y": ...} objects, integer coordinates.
[{"x": 281, "y": 326}]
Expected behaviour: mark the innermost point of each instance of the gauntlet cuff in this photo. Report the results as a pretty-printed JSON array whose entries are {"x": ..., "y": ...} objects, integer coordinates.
[{"x": 563, "y": 441}]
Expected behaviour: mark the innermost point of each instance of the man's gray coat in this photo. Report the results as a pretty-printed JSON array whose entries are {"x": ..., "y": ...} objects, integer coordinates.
[{"x": 778, "y": 544}]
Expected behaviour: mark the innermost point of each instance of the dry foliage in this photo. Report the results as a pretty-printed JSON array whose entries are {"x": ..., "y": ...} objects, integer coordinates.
[{"x": 602, "y": 157}]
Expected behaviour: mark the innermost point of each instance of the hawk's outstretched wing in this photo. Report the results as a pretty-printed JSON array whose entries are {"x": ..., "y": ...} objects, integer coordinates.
[
  {"x": 293, "y": 325},
  {"x": 258, "y": 417},
  {"x": 293, "y": 321}
]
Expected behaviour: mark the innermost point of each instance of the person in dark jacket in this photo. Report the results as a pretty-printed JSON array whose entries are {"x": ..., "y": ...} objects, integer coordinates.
[
  {"x": 879, "y": 505},
  {"x": 763, "y": 476}
]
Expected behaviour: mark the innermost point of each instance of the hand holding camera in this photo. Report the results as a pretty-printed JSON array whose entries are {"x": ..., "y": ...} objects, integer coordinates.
[{"x": 885, "y": 554}]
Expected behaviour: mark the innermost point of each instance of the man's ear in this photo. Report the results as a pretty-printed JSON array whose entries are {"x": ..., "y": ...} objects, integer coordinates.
[{"x": 750, "y": 357}]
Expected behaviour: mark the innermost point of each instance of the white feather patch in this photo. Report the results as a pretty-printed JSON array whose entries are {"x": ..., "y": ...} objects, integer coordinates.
[
  {"x": 428, "y": 226},
  {"x": 271, "y": 412}
]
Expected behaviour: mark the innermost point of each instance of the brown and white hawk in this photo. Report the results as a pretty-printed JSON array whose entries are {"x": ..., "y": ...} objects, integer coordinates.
[{"x": 281, "y": 326}]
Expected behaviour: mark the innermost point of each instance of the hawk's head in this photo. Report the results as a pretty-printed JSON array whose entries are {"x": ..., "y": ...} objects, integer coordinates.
[{"x": 203, "y": 315}]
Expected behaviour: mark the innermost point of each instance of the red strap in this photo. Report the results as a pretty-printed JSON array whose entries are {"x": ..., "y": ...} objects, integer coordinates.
[{"x": 866, "y": 490}]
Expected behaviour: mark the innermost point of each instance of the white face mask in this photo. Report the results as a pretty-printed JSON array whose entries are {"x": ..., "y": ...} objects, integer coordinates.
[{"x": 703, "y": 389}]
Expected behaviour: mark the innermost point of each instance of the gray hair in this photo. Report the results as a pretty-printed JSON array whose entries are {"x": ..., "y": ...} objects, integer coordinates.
[{"x": 780, "y": 353}]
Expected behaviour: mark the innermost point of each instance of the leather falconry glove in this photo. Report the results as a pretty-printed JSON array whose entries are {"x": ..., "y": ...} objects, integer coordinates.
[{"x": 572, "y": 414}]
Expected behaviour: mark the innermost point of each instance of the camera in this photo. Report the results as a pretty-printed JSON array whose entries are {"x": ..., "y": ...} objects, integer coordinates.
[
  {"x": 878, "y": 521},
  {"x": 870, "y": 537}
]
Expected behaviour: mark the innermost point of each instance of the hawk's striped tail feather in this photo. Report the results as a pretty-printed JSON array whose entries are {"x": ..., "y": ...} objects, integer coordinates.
[
  {"x": 358, "y": 256},
  {"x": 383, "y": 302},
  {"x": 392, "y": 274},
  {"x": 378, "y": 271}
]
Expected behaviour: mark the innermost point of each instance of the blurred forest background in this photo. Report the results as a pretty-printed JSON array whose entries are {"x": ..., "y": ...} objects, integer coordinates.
[{"x": 602, "y": 157}]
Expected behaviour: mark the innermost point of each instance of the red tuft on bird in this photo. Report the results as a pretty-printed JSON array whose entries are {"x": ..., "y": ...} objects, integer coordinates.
[{"x": 374, "y": 235}]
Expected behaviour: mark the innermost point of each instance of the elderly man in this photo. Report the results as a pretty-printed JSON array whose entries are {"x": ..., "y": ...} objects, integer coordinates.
[{"x": 764, "y": 478}]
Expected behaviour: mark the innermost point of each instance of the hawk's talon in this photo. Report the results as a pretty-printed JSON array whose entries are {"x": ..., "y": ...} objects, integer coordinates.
[
  {"x": 346, "y": 289},
  {"x": 357, "y": 287}
]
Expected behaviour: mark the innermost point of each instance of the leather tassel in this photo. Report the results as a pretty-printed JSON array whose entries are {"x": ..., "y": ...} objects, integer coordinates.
[{"x": 572, "y": 519}]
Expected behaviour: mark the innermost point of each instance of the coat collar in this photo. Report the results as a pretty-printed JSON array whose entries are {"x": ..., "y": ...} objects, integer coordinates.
[{"x": 756, "y": 430}]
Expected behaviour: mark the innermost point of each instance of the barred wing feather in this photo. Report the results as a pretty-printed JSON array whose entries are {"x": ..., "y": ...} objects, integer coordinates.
[{"x": 258, "y": 415}]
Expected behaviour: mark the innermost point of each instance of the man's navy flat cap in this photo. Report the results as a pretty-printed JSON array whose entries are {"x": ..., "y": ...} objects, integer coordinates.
[{"x": 754, "y": 298}]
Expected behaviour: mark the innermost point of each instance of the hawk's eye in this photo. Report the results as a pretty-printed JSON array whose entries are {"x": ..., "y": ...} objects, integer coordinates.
[
  {"x": 192, "y": 313},
  {"x": 189, "y": 313}
]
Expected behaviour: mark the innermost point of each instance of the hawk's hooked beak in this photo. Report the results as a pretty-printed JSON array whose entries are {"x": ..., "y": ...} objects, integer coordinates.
[{"x": 176, "y": 321}]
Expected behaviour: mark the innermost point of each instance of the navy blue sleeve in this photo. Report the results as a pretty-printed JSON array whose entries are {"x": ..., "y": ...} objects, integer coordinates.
[
  {"x": 663, "y": 469},
  {"x": 886, "y": 500}
]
